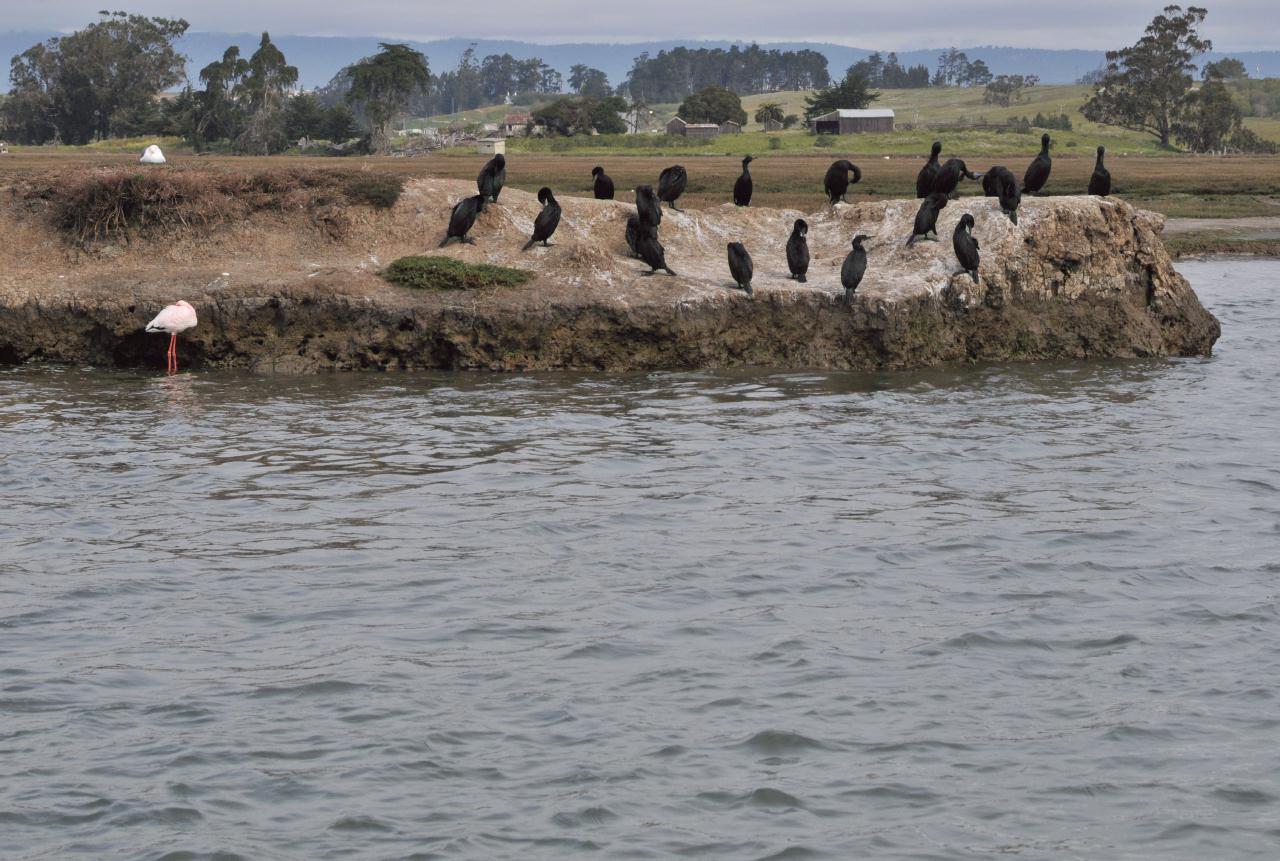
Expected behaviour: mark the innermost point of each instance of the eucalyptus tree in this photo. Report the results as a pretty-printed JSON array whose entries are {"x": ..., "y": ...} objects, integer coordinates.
[{"x": 382, "y": 86}]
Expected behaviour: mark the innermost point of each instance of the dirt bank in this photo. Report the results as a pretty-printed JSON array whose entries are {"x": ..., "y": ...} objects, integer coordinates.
[{"x": 297, "y": 290}]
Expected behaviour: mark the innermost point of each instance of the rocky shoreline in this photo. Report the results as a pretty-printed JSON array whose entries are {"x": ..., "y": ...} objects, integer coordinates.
[{"x": 1077, "y": 278}]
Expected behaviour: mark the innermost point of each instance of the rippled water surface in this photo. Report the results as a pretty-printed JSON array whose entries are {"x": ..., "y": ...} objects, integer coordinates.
[{"x": 1024, "y": 611}]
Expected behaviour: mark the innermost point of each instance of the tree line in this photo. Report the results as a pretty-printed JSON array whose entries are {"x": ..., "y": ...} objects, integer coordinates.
[
  {"x": 672, "y": 75},
  {"x": 1148, "y": 87},
  {"x": 104, "y": 81}
]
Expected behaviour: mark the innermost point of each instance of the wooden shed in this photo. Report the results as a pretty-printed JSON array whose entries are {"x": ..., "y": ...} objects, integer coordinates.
[
  {"x": 772, "y": 125},
  {"x": 730, "y": 127},
  {"x": 677, "y": 126},
  {"x": 845, "y": 122},
  {"x": 491, "y": 146}
]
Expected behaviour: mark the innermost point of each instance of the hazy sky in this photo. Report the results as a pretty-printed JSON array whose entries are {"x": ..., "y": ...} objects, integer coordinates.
[{"x": 889, "y": 24}]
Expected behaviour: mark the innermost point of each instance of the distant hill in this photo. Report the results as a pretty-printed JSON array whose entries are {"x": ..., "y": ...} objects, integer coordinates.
[{"x": 318, "y": 58}]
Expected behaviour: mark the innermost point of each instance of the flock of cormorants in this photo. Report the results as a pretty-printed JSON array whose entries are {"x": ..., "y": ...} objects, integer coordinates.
[{"x": 936, "y": 184}]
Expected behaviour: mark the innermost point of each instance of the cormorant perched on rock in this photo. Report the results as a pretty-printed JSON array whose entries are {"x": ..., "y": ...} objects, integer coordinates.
[
  {"x": 547, "y": 221},
  {"x": 924, "y": 179},
  {"x": 966, "y": 246},
  {"x": 492, "y": 177},
  {"x": 853, "y": 268},
  {"x": 633, "y": 234},
  {"x": 837, "y": 183},
  {"x": 742, "y": 187},
  {"x": 948, "y": 177},
  {"x": 671, "y": 184},
  {"x": 740, "y": 266},
  {"x": 1100, "y": 182},
  {"x": 602, "y": 187},
  {"x": 798, "y": 250},
  {"x": 999, "y": 182},
  {"x": 651, "y": 252},
  {"x": 1038, "y": 171},
  {"x": 463, "y": 218},
  {"x": 927, "y": 217},
  {"x": 648, "y": 207}
]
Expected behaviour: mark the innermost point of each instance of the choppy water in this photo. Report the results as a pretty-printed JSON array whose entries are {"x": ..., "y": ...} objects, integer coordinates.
[{"x": 1003, "y": 611}]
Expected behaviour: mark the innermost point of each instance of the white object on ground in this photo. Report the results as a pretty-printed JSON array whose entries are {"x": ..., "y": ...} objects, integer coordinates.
[{"x": 152, "y": 155}]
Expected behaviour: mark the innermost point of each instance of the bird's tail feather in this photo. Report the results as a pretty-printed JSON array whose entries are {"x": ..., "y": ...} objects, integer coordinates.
[{"x": 528, "y": 245}]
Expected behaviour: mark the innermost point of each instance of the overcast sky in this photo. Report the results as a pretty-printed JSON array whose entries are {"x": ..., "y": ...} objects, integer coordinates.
[{"x": 887, "y": 25}]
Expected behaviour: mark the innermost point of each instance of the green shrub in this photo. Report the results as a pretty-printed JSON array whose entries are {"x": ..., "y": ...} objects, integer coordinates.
[
  {"x": 379, "y": 190},
  {"x": 825, "y": 141},
  {"x": 775, "y": 143},
  {"x": 444, "y": 273}
]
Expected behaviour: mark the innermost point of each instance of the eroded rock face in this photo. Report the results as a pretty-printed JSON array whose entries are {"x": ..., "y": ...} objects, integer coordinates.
[{"x": 1078, "y": 277}]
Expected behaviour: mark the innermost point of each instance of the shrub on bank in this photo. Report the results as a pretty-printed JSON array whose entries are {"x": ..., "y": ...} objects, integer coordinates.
[
  {"x": 379, "y": 190},
  {"x": 117, "y": 204},
  {"x": 424, "y": 272}
]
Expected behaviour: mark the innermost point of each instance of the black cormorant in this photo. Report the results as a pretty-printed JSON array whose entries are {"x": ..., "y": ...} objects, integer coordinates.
[
  {"x": 1000, "y": 182},
  {"x": 966, "y": 246},
  {"x": 1038, "y": 171},
  {"x": 671, "y": 184},
  {"x": 927, "y": 217},
  {"x": 463, "y": 218},
  {"x": 924, "y": 179},
  {"x": 948, "y": 177},
  {"x": 798, "y": 250},
  {"x": 1100, "y": 182},
  {"x": 837, "y": 182},
  {"x": 602, "y": 187},
  {"x": 740, "y": 266},
  {"x": 492, "y": 177},
  {"x": 648, "y": 207},
  {"x": 853, "y": 268},
  {"x": 742, "y": 187},
  {"x": 652, "y": 252},
  {"x": 633, "y": 233},
  {"x": 547, "y": 221}
]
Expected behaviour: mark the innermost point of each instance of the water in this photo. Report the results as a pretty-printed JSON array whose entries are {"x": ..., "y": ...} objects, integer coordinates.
[{"x": 1024, "y": 611}]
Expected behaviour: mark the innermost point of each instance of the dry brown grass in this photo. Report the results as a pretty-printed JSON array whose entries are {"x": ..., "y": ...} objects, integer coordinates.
[{"x": 91, "y": 204}]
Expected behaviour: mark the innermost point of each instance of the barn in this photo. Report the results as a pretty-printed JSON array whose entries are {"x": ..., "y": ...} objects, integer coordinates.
[
  {"x": 845, "y": 122},
  {"x": 677, "y": 126},
  {"x": 730, "y": 127}
]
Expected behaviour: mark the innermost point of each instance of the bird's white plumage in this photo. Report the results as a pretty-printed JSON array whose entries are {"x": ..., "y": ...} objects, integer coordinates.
[
  {"x": 152, "y": 155},
  {"x": 175, "y": 318}
]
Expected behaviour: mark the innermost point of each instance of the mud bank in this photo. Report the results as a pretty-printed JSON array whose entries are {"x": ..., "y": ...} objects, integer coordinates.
[{"x": 1078, "y": 277}]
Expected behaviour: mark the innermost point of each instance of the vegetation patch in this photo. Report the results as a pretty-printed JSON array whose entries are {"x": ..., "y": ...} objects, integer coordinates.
[
  {"x": 379, "y": 190},
  {"x": 116, "y": 204},
  {"x": 444, "y": 273}
]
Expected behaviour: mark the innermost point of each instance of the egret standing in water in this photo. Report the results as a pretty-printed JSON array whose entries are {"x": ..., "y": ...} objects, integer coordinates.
[{"x": 172, "y": 319}]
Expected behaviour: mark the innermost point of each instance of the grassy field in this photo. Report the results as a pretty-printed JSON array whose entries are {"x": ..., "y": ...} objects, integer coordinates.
[
  {"x": 967, "y": 142},
  {"x": 951, "y": 104},
  {"x": 959, "y": 105},
  {"x": 1185, "y": 186}
]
